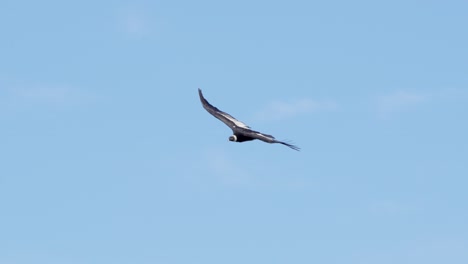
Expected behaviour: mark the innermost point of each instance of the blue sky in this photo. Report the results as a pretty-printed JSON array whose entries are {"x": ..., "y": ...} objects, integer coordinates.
[{"x": 108, "y": 157}]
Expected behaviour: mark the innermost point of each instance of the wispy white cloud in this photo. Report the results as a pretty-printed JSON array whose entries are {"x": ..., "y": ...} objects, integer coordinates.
[
  {"x": 281, "y": 110},
  {"x": 429, "y": 248},
  {"x": 389, "y": 208},
  {"x": 224, "y": 167},
  {"x": 53, "y": 94},
  {"x": 44, "y": 93},
  {"x": 403, "y": 101},
  {"x": 241, "y": 172},
  {"x": 400, "y": 101},
  {"x": 135, "y": 22}
]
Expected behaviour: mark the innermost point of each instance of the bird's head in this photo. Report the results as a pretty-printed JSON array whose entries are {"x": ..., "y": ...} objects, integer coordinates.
[{"x": 233, "y": 138}]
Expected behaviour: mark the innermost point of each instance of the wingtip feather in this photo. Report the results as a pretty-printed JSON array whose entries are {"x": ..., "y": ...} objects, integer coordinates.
[{"x": 291, "y": 146}]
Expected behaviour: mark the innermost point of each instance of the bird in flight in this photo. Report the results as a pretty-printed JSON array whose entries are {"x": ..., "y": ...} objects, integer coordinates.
[{"x": 241, "y": 131}]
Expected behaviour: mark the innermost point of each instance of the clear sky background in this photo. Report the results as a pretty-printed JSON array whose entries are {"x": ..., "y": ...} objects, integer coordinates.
[{"x": 107, "y": 156}]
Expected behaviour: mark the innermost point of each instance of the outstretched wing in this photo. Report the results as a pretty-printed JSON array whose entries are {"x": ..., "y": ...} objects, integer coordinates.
[
  {"x": 263, "y": 137},
  {"x": 224, "y": 117}
]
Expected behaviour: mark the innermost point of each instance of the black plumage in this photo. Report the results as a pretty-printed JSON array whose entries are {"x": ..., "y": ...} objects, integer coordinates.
[{"x": 241, "y": 131}]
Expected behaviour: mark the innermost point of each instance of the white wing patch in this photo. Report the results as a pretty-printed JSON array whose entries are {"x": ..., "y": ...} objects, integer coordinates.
[
  {"x": 235, "y": 121},
  {"x": 265, "y": 136}
]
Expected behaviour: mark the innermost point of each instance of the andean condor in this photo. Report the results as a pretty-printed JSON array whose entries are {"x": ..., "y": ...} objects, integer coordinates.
[{"x": 241, "y": 132}]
